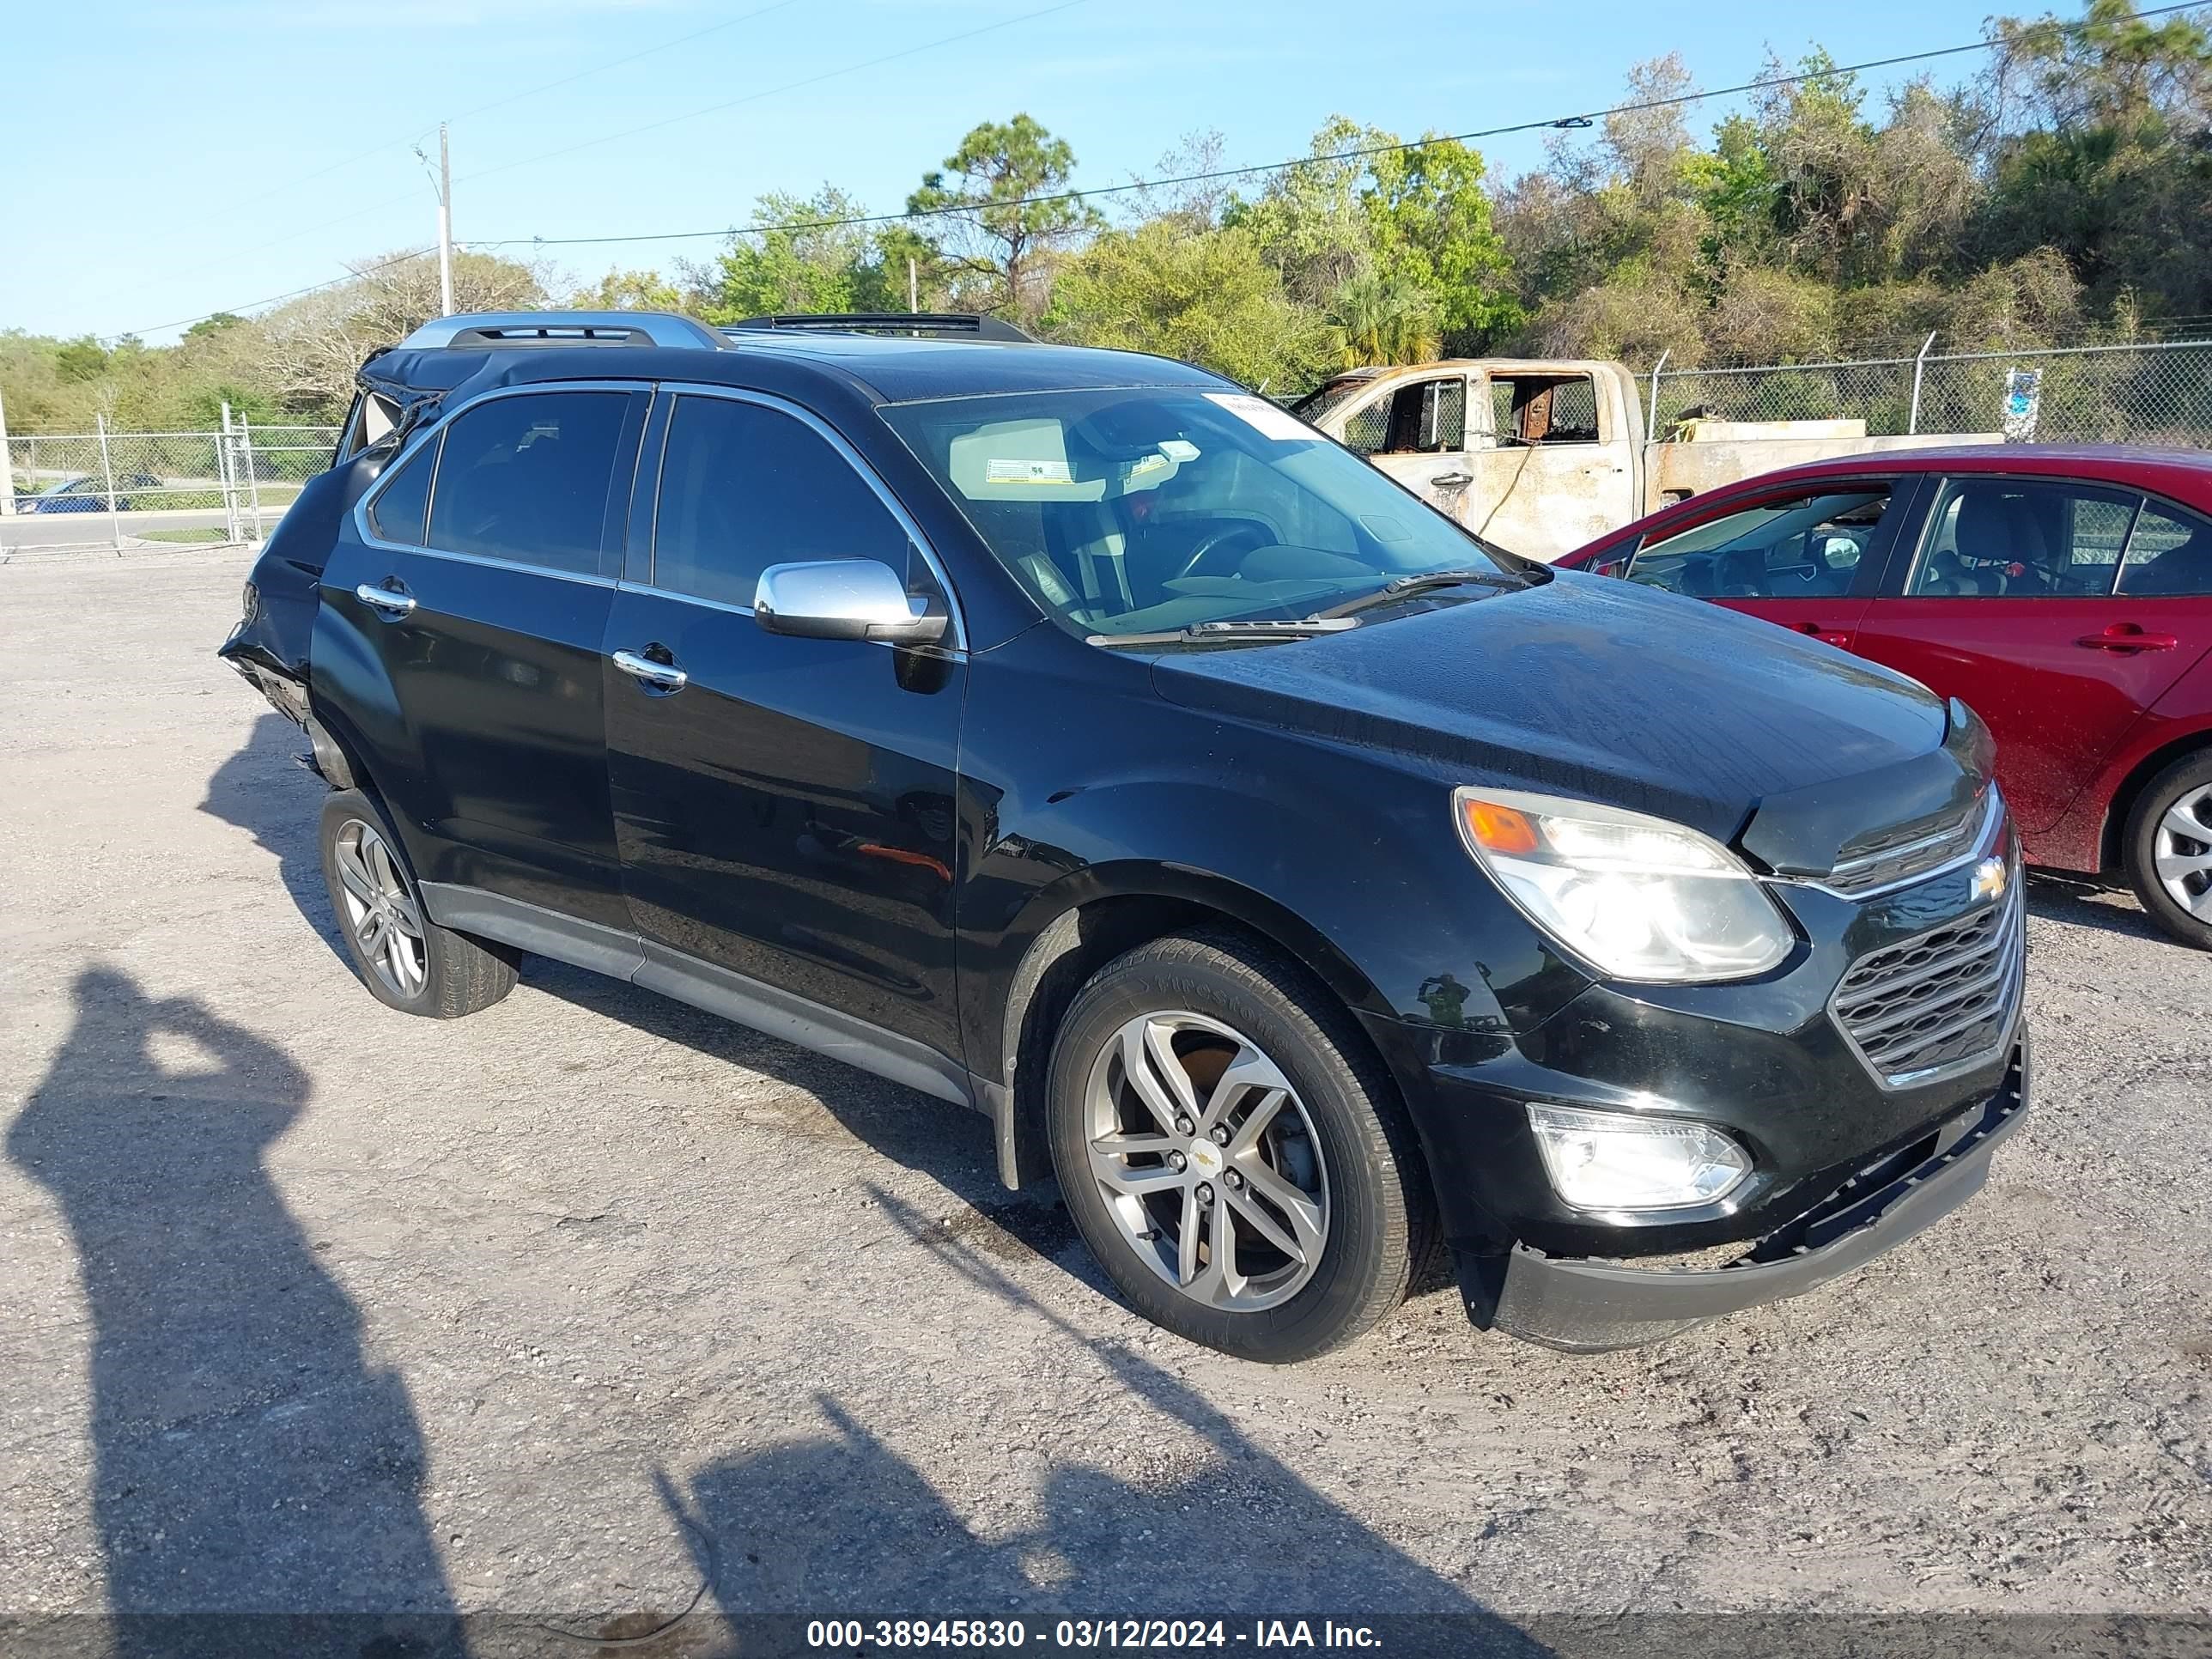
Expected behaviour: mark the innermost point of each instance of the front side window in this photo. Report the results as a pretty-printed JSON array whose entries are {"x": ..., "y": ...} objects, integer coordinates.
[
  {"x": 1801, "y": 547},
  {"x": 2170, "y": 554},
  {"x": 744, "y": 487},
  {"x": 2023, "y": 538},
  {"x": 1133, "y": 510},
  {"x": 530, "y": 479},
  {"x": 1427, "y": 417}
]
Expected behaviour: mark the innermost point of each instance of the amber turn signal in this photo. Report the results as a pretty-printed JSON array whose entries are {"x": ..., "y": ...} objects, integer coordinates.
[{"x": 1498, "y": 828}]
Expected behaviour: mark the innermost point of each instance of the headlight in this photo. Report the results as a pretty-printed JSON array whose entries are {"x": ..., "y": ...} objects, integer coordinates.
[
  {"x": 1636, "y": 897},
  {"x": 1614, "y": 1161}
]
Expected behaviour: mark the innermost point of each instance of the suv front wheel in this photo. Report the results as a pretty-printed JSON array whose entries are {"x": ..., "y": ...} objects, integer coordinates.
[
  {"x": 1231, "y": 1151},
  {"x": 407, "y": 961}
]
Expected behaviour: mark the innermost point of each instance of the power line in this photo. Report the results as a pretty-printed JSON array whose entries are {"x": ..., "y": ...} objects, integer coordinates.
[
  {"x": 277, "y": 298},
  {"x": 233, "y": 255},
  {"x": 1564, "y": 123},
  {"x": 770, "y": 92},
  {"x": 517, "y": 97}
]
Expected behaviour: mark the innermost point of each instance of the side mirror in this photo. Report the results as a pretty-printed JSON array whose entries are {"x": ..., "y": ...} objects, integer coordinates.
[{"x": 843, "y": 600}]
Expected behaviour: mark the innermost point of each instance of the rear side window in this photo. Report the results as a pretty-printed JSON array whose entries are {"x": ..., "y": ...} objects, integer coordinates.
[
  {"x": 2170, "y": 554},
  {"x": 397, "y": 512},
  {"x": 744, "y": 487},
  {"x": 2024, "y": 538},
  {"x": 529, "y": 479},
  {"x": 1544, "y": 409},
  {"x": 1802, "y": 547}
]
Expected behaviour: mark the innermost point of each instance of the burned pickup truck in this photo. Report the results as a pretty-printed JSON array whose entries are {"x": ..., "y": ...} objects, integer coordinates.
[{"x": 1542, "y": 456}]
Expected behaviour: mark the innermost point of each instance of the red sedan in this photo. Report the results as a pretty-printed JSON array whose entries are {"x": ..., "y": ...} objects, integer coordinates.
[{"x": 2064, "y": 593}]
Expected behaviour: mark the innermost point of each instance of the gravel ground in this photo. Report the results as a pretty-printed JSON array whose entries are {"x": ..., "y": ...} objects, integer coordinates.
[{"x": 565, "y": 1310}]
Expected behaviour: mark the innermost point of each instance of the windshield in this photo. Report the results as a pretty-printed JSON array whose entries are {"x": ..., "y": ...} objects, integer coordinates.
[{"x": 1136, "y": 510}]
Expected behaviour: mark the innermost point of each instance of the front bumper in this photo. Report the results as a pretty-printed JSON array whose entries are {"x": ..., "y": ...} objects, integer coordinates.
[{"x": 1587, "y": 1305}]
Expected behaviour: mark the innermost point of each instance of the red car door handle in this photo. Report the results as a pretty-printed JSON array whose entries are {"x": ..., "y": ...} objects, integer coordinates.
[
  {"x": 1834, "y": 632},
  {"x": 2126, "y": 636}
]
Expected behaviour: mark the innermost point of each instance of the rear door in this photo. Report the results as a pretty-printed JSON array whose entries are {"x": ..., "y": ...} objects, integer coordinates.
[
  {"x": 460, "y": 638},
  {"x": 1558, "y": 468},
  {"x": 1808, "y": 558},
  {"x": 785, "y": 811},
  {"x": 2012, "y": 600}
]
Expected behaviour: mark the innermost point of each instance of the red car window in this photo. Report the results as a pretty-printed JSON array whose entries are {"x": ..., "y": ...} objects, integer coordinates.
[
  {"x": 1805, "y": 546},
  {"x": 2170, "y": 554},
  {"x": 2023, "y": 538}
]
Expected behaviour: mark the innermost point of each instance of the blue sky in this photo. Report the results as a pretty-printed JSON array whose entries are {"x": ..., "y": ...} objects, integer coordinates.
[{"x": 171, "y": 165}]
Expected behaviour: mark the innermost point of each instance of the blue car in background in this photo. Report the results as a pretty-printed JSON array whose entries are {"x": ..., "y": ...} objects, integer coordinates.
[{"x": 88, "y": 494}]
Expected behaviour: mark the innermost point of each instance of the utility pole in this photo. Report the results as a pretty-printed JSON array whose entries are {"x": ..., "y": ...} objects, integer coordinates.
[
  {"x": 912, "y": 287},
  {"x": 444, "y": 226}
]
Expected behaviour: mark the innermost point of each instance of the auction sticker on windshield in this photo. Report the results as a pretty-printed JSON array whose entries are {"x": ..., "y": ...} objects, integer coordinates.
[{"x": 1264, "y": 418}]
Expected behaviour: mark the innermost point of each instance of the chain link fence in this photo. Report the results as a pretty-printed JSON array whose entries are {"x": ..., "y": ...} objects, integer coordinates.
[
  {"x": 2159, "y": 394},
  {"x": 123, "y": 490}
]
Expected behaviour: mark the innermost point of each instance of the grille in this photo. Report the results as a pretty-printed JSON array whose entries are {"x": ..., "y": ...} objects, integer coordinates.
[
  {"x": 1941, "y": 1000},
  {"x": 1906, "y": 851}
]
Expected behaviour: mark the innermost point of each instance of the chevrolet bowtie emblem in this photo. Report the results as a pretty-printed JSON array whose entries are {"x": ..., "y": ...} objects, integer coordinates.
[{"x": 1990, "y": 878}]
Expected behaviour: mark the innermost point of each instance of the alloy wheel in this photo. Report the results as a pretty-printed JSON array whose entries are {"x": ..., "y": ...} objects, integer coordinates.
[
  {"x": 2182, "y": 852},
  {"x": 1207, "y": 1161},
  {"x": 380, "y": 910}
]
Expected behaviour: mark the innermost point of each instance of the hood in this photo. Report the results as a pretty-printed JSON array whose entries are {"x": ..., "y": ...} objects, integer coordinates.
[{"x": 1606, "y": 692}]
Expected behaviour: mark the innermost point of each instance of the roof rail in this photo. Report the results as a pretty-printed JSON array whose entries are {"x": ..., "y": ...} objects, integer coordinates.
[
  {"x": 953, "y": 323},
  {"x": 475, "y": 330}
]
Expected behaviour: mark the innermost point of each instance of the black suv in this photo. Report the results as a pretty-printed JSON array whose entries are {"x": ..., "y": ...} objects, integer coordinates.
[{"x": 1075, "y": 736}]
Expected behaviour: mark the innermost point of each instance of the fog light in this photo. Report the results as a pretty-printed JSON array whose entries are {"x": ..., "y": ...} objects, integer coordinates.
[{"x": 1610, "y": 1161}]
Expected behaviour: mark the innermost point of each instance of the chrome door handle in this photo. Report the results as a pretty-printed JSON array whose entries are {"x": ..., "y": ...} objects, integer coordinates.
[
  {"x": 1452, "y": 480},
  {"x": 391, "y": 605},
  {"x": 665, "y": 677}
]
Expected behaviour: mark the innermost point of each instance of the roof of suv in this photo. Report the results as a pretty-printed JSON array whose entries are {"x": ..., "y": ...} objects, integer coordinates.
[{"x": 884, "y": 368}]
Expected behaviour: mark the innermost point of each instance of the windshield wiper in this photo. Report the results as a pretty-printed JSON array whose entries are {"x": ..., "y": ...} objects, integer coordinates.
[
  {"x": 1405, "y": 586},
  {"x": 1206, "y": 633}
]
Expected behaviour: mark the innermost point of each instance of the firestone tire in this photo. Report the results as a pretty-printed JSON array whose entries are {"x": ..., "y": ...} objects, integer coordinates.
[
  {"x": 2163, "y": 849},
  {"x": 406, "y": 960},
  {"x": 1325, "y": 1207}
]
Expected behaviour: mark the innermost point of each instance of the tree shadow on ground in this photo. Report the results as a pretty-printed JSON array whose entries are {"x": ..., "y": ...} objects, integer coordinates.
[
  {"x": 843, "y": 1526},
  {"x": 247, "y": 1455}
]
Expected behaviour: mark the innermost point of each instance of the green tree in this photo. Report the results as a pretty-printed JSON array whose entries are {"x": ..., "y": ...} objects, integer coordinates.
[
  {"x": 80, "y": 361},
  {"x": 987, "y": 220},
  {"x": 814, "y": 259},
  {"x": 1429, "y": 219},
  {"x": 1205, "y": 296},
  {"x": 633, "y": 290},
  {"x": 1378, "y": 319}
]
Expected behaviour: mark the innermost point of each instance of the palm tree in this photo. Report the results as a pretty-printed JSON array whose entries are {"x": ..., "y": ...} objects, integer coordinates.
[{"x": 1382, "y": 319}]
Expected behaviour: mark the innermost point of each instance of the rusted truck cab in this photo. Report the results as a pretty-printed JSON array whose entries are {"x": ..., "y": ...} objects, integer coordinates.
[{"x": 1543, "y": 455}]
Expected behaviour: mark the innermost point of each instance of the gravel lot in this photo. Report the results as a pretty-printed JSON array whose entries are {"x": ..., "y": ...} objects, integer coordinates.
[{"x": 562, "y": 1311}]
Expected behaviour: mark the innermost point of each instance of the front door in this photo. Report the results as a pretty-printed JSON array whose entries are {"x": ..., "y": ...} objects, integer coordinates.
[
  {"x": 2009, "y": 603},
  {"x": 1807, "y": 559},
  {"x": 1416, "y": 432},
  {"x": 784, "y": 807},
  {"x": 461, "y": 641}
]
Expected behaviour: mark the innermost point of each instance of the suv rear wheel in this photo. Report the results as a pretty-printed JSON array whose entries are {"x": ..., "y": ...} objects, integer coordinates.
[
  {"x": 2169, "y": 849},
  {"x": 407, "y": 961},
  {"x": 1232, "y": 1154}
]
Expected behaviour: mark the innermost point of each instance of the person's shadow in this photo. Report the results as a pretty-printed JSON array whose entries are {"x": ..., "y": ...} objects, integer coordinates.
[
  {"x": 842, "y": 1526},
  {"x": 257, "y": 1482}
]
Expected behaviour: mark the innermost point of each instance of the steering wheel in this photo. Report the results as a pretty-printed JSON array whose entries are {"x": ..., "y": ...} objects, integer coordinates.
[{"x": 1238, "y": 538}]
